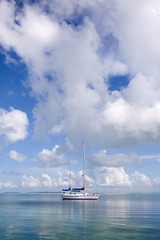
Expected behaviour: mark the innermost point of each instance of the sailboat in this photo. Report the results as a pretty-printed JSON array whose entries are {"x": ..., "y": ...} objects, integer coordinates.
[{"x": 78, "y": 193}]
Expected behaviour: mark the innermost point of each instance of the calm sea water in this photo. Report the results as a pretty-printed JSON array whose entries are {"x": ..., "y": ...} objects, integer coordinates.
[{"x": 46, "y": 216}]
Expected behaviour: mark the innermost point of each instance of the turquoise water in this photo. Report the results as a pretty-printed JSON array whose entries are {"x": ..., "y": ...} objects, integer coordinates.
[{"x": 46, "y": 216}]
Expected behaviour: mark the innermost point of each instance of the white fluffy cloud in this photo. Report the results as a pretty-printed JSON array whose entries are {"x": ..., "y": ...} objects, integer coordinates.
[
  {"x": 117, "y": 177},
  {"x": 47, "y": 181},
  {"x": 30, "y": 181},
  {"x": 43, "y": 181},
  {"x": 156, "y": 181},
  {"x": 105, "y": 177},
  {"x": 114, "y": 177},
  {"x": 118, "y": 68},
  {"x": 13, "y": 125},
  {"x": 60, "y": 180},
  {"x": 69, "y": 67},
  {"x": 7, "y": 184},
  {"x": 138, "y": 39},
  {"x": 52, "y": 158},
  {"x": 140, "y": 179},
  {"x": 16, "y": 156},
  {"x": 103, "y": 158}
]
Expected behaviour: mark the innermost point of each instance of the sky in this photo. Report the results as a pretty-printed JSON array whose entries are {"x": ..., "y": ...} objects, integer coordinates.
[{"x": 74, "y": 71}]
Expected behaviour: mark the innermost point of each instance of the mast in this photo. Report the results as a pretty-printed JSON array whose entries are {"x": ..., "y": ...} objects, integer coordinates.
[
  {"x": 84, "y": 165},
  {"x": 69, "y": 172}
]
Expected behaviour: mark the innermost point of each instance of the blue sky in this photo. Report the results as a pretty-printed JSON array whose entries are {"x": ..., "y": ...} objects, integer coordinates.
[{"x": 73, "y": 71}]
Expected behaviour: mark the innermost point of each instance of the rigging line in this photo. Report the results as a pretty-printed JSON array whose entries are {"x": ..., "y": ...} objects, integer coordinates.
[{"x": 94, "y": 178}]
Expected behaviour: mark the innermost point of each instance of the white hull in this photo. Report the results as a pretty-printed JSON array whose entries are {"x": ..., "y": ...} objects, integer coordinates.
[{"x": 79, "y": 196}]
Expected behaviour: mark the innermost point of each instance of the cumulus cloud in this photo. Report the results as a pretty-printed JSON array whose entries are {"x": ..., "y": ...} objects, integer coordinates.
[
  {"x": 13, "y": 125},
  {"x": 118, "y": 69},
  {"x": 138, "y": 39},
  {"x": 16, "y": 156},
  {"x": 140, "y": 179},
  {"x": 103, "y": 158},
  {"x": 61, "y": 180},
  {"x": 47, "y": 181},
  {"x": 7, "y": 184},
  {"x": 105, "y": 177},
  {"x": 117, "y": 177},
  {"x": 52, "y": 158},
  {"x": 42, "y": 181},
  {"x": 69, "y": 62},
  {"x": 156, "y": 181},
  {"x": 30, "y": 181},
  {"x": 114, "y": 177},
  {"x": 89, "y": 181}
]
